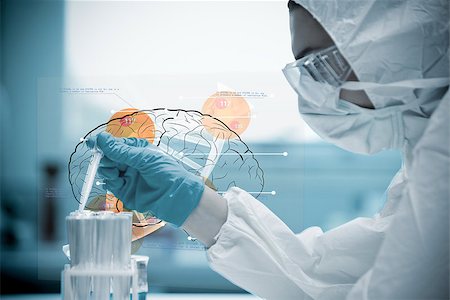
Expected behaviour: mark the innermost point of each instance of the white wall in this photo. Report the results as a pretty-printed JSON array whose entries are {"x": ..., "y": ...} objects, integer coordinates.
[{"x": 158, "y": 51}]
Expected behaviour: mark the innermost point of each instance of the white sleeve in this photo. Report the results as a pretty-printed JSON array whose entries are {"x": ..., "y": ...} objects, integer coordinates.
[
  {"x": 413, "y": 262},
  {"x": 258, "y": 252}
]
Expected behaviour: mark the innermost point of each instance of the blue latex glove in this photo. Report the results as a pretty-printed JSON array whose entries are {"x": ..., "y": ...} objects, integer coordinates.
[{"x": 145, "y": 178}]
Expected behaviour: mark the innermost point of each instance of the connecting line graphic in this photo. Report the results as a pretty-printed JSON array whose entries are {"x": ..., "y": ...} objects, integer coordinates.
[
  {"x": 246, "y": 96},
  {"x": 125, "y": 101},
  {"x": 254, "y": 193},
  {"x": 244, "y": 154},
  {"x": 237, "y": 117}
]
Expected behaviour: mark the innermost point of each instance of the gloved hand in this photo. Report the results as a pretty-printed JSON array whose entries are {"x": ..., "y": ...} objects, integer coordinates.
[{"x": 145, "y": 178}]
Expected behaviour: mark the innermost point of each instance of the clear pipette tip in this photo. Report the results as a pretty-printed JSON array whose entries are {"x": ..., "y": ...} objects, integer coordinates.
[{"x": 97, "y": 155}]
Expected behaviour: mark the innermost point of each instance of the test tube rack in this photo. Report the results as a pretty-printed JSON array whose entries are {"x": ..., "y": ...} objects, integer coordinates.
[
  {"x": 70, "y": 276},
  {"x": 100, "y": 257}
]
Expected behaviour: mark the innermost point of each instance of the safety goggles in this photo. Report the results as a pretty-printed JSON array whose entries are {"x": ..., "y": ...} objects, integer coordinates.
[{"x": 326, "y": 66}]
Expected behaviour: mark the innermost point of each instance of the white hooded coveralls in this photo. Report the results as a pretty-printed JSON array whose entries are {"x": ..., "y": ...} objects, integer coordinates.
[{"x": 402, "y": 252}]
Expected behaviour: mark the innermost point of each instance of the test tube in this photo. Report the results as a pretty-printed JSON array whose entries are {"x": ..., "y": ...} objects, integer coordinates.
[
  {"x": 122, "y": 255},
  {"x": 103, "y": 254},
  {"x": 81, "y": 235},
  {"x": 90, "y": 177},
  {"x": 140, "y": 263}
]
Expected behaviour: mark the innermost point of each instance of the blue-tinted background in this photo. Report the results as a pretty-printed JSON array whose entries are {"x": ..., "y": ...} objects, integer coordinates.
[{"x": 44, "y": 44}]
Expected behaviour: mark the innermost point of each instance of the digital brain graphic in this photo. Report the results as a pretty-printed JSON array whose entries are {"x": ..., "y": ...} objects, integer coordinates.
[{"x": 200, "y": 143}]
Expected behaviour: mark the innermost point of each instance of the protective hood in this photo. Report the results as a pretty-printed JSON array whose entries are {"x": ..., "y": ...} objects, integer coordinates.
[
  {"x": 387, "y": 41},
  {"x": 399, "y": 50}
]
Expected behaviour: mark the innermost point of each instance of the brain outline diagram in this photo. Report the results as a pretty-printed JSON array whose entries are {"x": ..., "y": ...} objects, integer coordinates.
[{"x": 202, "y": 144}]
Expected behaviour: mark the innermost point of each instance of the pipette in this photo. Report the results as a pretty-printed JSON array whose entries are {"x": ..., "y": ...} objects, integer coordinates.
[{"x": 90, "y": 176}]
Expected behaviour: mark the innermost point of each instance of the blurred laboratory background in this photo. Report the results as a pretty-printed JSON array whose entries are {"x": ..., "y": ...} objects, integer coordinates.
[{"x": 66, "y": 65}]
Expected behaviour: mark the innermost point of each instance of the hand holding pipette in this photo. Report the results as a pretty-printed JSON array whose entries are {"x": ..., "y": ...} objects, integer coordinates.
[{"x": 147, "y": 179}]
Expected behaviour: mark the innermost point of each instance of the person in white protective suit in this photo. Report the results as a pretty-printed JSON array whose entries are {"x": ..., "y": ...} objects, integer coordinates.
[{"x": 394, "y": 96}]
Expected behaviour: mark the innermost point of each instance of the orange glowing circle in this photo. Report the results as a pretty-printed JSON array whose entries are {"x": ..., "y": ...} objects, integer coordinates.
[
  {"x": 130, "y": 122},
  {"x": 230, "y": 108}
]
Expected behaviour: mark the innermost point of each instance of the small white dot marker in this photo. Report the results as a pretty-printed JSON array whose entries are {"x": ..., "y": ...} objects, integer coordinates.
[
  {"x": 273, "y": 193},
  {"x": 112, "y": 111},
  {"x": 82, "y": 139},
  {"x": 285, "y": 154}
]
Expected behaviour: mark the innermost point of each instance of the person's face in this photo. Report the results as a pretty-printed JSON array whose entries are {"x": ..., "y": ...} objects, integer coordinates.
[{"x": 307, "y": 35}]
